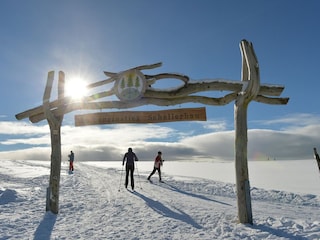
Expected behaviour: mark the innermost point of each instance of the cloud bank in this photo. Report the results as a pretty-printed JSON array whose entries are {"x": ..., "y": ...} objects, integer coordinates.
[{"x": 207, "y": 140}]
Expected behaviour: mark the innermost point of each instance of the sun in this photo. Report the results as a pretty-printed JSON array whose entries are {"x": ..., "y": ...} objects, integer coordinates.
[{"x": 75, "y": 87}]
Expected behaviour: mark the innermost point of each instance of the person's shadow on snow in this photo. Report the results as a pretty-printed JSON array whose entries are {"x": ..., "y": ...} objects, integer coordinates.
[
  {"x": 174, "y": 188},
  {"x": 45, "y": 227},
  {"x": 281, "y": 233},
  {"x": 167, "y": 212}
]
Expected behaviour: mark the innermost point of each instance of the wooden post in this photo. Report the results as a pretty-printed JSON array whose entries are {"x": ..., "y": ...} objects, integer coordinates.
[
  {"x": 55, "y": 126},
  {"x": 316, "y": 155},
  {"x": 250, "y": 75},
  {"x": 241, "y": 165}
]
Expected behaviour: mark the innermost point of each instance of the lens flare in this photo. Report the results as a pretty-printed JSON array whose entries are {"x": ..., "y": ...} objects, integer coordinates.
[{"x": 75, "y": 87}]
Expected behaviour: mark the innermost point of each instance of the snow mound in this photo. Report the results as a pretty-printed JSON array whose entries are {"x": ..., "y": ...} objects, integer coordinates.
[{"x": 7, "y": 196}]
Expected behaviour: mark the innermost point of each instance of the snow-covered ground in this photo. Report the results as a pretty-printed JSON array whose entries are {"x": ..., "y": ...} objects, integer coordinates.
[{"x": 196, "y": 201}]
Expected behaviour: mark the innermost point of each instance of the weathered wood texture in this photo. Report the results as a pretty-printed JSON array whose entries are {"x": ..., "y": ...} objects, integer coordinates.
[
  {"x": 161, "y": 98},
  {"x": 172, "y": 115},
  {"x": 250, "y": 76},
  {"x": 55, "y": 133}
]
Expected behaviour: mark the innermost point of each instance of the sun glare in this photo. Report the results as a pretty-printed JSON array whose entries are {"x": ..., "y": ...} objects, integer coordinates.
[{"x": 75, "y": 88}]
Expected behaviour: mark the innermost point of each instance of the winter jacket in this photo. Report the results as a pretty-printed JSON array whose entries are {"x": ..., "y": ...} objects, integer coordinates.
[
  {"x": 131, "y": 157},
  {"x": 71, "y": 157},
  {"x": 158, "y": 162}
]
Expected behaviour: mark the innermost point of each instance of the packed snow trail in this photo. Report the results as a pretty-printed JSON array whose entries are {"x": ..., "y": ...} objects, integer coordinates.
[
  {"x": 190, "y": 209},
  {"x": 91, "y": 207},
  {"x": 91, "y": 194}
]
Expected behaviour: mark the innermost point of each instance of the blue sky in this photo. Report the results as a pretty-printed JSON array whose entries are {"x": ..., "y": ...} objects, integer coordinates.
[{"x": 196, "y": 38}]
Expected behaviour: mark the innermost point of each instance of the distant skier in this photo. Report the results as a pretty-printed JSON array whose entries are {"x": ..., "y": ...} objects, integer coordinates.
[
  {"x": 157, "y": 166},
  {"x": 129, "y": 157},
  {"x": 71, "y": 159}
]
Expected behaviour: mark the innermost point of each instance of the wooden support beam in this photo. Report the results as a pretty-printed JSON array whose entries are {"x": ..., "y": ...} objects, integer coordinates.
[
  {"x": 250, "y": 75},
  {"x": 55, "y": 133}
]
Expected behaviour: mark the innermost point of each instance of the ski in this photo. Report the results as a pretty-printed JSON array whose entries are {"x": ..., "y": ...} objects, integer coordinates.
[{"x": 150, "y": 181}]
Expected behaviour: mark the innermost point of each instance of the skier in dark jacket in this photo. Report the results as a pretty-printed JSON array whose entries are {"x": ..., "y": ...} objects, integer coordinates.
[{"x": 129, "y": 157}]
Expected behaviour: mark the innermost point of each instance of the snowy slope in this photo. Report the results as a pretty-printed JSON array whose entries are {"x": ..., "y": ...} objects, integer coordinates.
[{"x": 91, "y": 207}]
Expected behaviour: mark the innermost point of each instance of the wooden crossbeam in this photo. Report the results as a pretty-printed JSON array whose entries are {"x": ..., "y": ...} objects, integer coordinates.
[{"x": 162, "y": 98}]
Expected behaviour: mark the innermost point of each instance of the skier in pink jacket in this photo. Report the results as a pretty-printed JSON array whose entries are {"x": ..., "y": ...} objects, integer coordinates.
[{"x": 157, "y": 166}]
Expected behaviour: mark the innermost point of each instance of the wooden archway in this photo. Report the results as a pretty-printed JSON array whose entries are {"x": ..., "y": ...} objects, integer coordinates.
[{"x": 241, "y": 92}]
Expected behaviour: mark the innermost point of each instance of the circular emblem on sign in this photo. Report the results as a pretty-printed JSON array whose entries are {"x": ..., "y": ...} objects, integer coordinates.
[{"x": 130, "y": 85}]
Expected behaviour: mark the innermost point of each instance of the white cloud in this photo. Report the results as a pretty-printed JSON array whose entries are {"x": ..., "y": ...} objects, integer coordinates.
[
  {"x": 35, "y": 153},
  {"x": 42, "y": 140},
  {"x": 295, "y": 141},
  {"x": 22, "y": 128},
  {"x": 113, "y": 135},
  {"x": 214, "y": 145},
  {"x": 293, "y": 120},
  {"x": 215, "y": 125}
]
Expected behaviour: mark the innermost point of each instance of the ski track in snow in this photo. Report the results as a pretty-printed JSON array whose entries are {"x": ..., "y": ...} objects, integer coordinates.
[{"x": 91, "y": 207}]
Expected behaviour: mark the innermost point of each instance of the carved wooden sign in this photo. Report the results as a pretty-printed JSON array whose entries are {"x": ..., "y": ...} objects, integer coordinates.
[
  {"x": 130, "y": 85},
  {"x": 173, "y": 115}
]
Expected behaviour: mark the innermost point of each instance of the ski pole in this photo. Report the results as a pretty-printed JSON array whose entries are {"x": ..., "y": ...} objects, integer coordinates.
[
  {"x": 138, "y": 175},
  {"x": 120, "y": 179}
]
